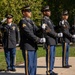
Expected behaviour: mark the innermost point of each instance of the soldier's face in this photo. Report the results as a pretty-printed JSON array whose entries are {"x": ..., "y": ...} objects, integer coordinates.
[
  {"x": 65, "y": 17},
  {"x": 47, "y": 13},
  {"x": 27, "y": 14},
  {"x": 9, "y": 20}
]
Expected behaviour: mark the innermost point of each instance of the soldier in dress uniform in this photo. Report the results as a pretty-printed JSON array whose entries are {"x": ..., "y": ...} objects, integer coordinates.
[
  {"x": 28, "y": 41},
  {"x": 10, "y": 38},
  {"x": 50, "y": 36},
  {"x": 64, "y": 24}
]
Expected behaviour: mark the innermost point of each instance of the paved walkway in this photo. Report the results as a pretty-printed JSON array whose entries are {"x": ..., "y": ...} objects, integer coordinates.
[{"x": 41, "y": 68}]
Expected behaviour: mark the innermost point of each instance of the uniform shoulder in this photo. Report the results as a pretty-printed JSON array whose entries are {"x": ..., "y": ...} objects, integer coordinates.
[
  {"x": 43, "y": 19},
  {"x": 23, "y": 19}
]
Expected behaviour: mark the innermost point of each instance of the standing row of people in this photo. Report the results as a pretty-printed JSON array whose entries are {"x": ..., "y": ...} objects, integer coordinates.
[{"x": 29, "y": 40}]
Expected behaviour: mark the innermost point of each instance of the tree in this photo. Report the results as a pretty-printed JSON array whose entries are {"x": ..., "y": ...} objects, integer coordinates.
[
  {"x": 14, "y": 7},
  {"x": 57, "y": 6}
]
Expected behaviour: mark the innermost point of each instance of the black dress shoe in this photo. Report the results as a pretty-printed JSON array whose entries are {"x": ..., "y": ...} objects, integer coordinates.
[
  {"x": 53, "y": 73},
  {"x": 67, "y": 66},
  {"x": 13, "y": 70},
  {"x": 8, "y": 70}
]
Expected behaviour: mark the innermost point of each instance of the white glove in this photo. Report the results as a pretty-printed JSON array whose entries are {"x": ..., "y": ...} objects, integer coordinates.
[
  {"x": 73, "y": 36},
  {"x": 62, "y": 21},
  {"x": 42, "y": 40},
  {"x": 60, "y": 34},
  {"x": 44, "y": 26},
  {"x": 17, "y": 45},
  {"x": 4, "y": 20}
]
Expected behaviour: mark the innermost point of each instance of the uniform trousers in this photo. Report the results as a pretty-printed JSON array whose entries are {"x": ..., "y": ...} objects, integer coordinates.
[
  {"x": 65, "y": 54},
  {"x": 10, "y": 54},
  {"x": 52, "y": 57},
  {"x": 32, "y": 61}
]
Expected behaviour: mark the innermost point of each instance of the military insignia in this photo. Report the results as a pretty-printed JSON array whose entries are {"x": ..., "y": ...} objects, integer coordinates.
[
  {"x": 24, "y": 25},
  {"x": 13, "y": 27}
]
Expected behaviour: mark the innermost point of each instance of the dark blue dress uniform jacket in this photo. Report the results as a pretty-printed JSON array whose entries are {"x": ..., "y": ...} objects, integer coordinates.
[
  {"x": 28, "y": 36},
  {"x": 51, "y": 35},
  {"x": 11, "y": 35},
  {"x": 65, "y": 30}
]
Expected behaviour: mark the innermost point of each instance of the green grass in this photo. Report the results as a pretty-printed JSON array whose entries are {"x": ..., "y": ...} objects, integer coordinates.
[{"x": 41, "y": 53}]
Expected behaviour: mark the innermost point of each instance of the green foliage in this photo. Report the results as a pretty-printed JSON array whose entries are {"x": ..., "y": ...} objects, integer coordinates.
[
  {"x": 13, "y": 7},
  {"x": 56, "y": 6}
]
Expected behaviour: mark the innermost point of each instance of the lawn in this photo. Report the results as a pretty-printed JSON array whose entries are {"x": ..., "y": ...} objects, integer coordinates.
[{"x": 41, "y": 52}]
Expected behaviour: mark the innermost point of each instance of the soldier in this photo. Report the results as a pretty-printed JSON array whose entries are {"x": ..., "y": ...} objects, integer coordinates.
[
  {"x": 10, "y": 38},
  {"x": 50, "y": 36},
  {"x": 29, "y": 40},
  {"x": 66, "y": 39}
]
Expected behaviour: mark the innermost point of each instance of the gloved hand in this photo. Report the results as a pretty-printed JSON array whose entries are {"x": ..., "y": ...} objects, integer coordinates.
[
  {"x": 62, "y": 21},
  {"x": 44, "y": 26},
  {"x": 17, "y": 45},
  {"x": 42, "y": 40},
  {"x": 60, "y": 34},
  {"x": 3, "y": 20},
  {"x": 73, "y": 36}
]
